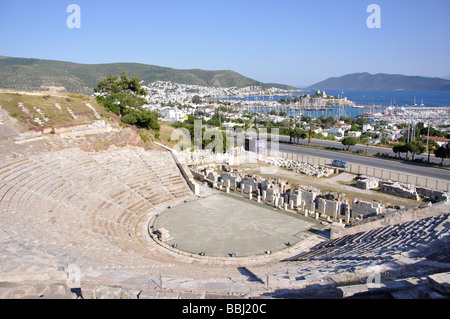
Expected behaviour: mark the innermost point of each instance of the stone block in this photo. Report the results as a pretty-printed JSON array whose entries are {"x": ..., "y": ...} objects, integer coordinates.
[
  {"x": 367, "y": 183},
  {"x": 365, "y": 209},
  {"x": 440, "y": 282},
  {"x": 108, "y": 293},
  {"x": 163, "y": 234}
]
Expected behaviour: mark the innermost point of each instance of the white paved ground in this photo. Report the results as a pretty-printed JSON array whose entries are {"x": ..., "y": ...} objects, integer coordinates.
[{"x": 220, "y": 225}]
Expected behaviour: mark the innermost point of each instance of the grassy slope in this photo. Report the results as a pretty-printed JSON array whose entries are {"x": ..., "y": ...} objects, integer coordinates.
[{"x": 77, "y": 103}]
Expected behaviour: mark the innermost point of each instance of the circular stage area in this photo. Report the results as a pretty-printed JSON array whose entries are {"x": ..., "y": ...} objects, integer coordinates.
[{"x": 222, "y": 225}]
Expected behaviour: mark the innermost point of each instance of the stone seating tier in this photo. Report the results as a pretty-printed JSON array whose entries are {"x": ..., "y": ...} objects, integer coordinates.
[
  {"x": 93, "y": 209},
  {"x": 71, "y": 196},
  {"x": 411, "y": 238}
]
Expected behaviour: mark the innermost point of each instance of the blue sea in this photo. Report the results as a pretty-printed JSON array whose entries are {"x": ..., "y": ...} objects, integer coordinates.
[
  {"x": 371, "y": 100},
  {"x": 394, "y": 97}
]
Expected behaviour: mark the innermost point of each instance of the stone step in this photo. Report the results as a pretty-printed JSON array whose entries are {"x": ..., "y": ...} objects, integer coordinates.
[
  {"x": 34, "y": 290},
  {"x": 33, "y": 276}
]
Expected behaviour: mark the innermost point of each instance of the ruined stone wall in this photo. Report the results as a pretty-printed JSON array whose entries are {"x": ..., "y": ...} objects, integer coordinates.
[
  {"x": 367, "y": 183},
  {"x": 296, "y": 199},
  {"x": 329, "y": 206},
  {"x": 399, "y": 190},
  {"x": 432, "y": 195},
  {"x": 411, "y": 214},
  {"x": 234, "y": 179},
  {"x": 308, "y": 197},
  {"x": 211, "y": 175},
  {"x": 366, "y": 209},
  {"x": 248, "y": 182}
]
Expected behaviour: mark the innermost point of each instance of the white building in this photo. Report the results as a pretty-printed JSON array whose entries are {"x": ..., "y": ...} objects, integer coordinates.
[
  {"x": 337, "y": 131},
  {"x": 354, "y": 133},
  {"x": 367, "y": 127},
  {"x": 173, "y": 114},
  {"x": 231, "y": 125}
]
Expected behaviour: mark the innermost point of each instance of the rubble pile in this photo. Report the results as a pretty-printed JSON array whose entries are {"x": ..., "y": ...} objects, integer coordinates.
[{"x": 302, "y": 167}]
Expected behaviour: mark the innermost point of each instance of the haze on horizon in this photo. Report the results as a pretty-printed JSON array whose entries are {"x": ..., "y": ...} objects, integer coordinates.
[{"x": 290, "y": 42}]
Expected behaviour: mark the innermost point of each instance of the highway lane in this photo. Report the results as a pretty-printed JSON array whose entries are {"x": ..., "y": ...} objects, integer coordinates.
[
  {"x": 386, "y": 164},
  {"x": 405, "y": 167},
  {"x": 370, "y": 149}
]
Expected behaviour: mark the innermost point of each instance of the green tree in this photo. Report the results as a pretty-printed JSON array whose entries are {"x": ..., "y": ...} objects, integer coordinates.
[
  {"x": 349, "y": 141},
  {"x": 399, "y": 148},
  {"x": 348, "y": 120},
  {"x": 327, "y": 122},
  {"x": 125, "y": 97},
  {"x": 246, "y": 125},
  {"x": 298, "y": 133},
  {"x": 442, "y": 152},
  {"x": 416, "y": 147},
  {"x": 197, "y": 99},
  {"x": 306, "y": 119},
  {"x": 120, "y": 84},
  {"x": 362, "y": 121},
  {"x": 215, "y": 119},
  {"x": 432, "y": 146}
]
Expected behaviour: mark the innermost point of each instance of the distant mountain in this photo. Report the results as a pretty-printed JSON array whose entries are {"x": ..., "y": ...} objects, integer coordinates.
[
  {"x": 367, "y": 81},
  {"x": 33, "y": 74},
  {"x": 447, "y": 77}
]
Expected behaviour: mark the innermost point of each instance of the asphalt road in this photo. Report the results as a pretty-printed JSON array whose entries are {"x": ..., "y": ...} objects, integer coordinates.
[
  {"x": 398, "y": 166},
  {"x": 386, "y": 164},
  {"x": 370, "y": 149}
]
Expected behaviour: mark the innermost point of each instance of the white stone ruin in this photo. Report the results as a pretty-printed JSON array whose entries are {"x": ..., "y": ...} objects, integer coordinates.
[
  {"x": 41, "y": 113},
  {"x": 72, "y": 113},
  {"x": 301, "y": 167},
  {"x": 163, "y": 234},
  {"x": 97, "y": 116}
]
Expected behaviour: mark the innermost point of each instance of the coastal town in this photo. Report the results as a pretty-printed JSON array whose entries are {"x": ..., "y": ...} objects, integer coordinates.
[{"x": 256, "y": 107}]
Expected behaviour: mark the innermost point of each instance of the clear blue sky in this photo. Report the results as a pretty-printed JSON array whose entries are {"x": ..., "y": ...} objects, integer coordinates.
[{"x": 293, "y": 42}]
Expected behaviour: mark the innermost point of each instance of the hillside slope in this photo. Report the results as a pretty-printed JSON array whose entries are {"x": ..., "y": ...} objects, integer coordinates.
[
  {"x": 33, "y": 74},
  {"x": 367, "y": 81}
]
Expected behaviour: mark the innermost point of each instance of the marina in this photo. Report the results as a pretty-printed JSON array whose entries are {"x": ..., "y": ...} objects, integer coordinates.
[
  {"x": 392, "y": 106},
  {"x": 393, "y": 115}
]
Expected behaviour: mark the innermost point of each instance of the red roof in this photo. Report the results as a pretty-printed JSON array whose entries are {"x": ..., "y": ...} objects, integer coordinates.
[{"x": 437, "y": 138}]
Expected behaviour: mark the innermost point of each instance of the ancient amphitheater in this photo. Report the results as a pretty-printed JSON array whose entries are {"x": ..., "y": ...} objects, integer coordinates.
[
  {"x": 69, "y": 209},
  {"x": 76, "y": 224}
]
